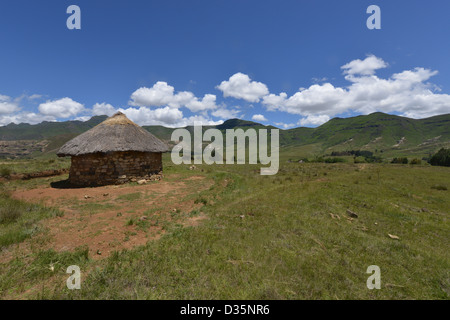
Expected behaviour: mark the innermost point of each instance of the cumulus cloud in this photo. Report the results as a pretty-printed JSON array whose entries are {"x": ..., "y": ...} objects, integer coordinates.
[
  {"x": 83, "y": 118},
  {"x": 62, "y": 108},
  {"x": 198, "y": 119},
  {"x": 315, "y": 99},
  {"x": 224, "y": 113},
  {"x": 24, "y": 117},
  {"x": 259, "y": 117},
  {"x": 100, "y": 109},
  {"x": 207, "y": 103},
  {"x": 160, "y": 116},
  {"x": 165, "y": 102},
  {"x": 7, "y": 106},
  {"x": 313, "y": 120},
  {"x": 168, "y": 117},
  {"x": 168, "y": 103},
  {"x": 240, "y": 86},
  {"x": 162, "y": 94},
  {"x": 407, "y": 93},
  {"x": 365, "y": 67},
  {"x": 284, "y": 125}
]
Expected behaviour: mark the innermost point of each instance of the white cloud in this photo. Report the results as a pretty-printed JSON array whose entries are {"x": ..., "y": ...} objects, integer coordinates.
[
  {"x": 162, "y": 94},
  {"x": 62, "y": 108},
  {"x": 284, "y": 125},
  {"x": 166, "y": 116},
  {"x": 313, "y": 120},
  {"x": 7, "y": 106},
  {"x": 275, "y": 102},
  {"x": 317, "y": 80},
  {"x": 199, "y": 119},
  {"x": 407, "y": 93},
  {"x": 83, "y": 118},
  {"x": 24, "y": 117},
  {"x": 315, "y": 99},
  {"x": 226, "y": 113},
  {"x": 100, "y": 109},
  {"x": 207, "y": 103},
  {"x": 35, "y": 97},
  {"x": 169, "y": 103},
  {"x": 240, "y": 86},
  {"x": 364, "y": 67},
  {"x": 160, "y": 116},
  {"x": 259, "y": 117}
]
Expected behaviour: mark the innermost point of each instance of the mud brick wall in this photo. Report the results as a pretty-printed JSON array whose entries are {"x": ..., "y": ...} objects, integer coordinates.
[{"x": 113, "y": 168}]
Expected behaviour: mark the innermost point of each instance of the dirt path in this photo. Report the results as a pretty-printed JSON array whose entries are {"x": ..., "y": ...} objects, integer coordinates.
[{"x": 112, "y": 218}]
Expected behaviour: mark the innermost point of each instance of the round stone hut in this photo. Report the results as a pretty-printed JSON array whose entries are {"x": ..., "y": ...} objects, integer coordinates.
[{"x": 114, "y": 152}]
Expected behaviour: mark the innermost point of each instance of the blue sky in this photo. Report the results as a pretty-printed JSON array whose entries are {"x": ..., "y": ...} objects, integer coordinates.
[{"x": 176, "y": 62}]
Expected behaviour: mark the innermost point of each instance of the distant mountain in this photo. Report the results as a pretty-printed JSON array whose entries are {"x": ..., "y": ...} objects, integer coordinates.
[
  {"x": 377, "y": 132},
  {"x": 45, "y": 130},
  {"x": 25, "y": 140},
  {"x": 386, "y": 135}
]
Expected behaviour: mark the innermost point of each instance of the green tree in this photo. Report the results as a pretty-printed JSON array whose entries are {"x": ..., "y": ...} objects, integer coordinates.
[{"x": 441, "y": 158}]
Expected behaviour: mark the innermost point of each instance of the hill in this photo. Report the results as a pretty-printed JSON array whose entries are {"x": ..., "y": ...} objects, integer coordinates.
[{"x": 378, "y": 132}]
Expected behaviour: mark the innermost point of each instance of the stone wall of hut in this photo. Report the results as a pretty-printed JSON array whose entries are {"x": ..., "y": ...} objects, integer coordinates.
[{"x": 113, "y": 168}]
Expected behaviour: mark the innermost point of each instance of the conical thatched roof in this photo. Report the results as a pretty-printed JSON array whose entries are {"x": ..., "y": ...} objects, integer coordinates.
[{"x": 117, "y": 133}]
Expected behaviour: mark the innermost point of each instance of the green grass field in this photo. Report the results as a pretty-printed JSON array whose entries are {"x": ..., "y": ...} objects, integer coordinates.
[
  {"x": 286, "y": 236},
  {"x": 8, "y": 167}
]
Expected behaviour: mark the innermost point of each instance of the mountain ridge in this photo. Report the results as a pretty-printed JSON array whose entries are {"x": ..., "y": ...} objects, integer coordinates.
[{"x": 374, "y": 132}]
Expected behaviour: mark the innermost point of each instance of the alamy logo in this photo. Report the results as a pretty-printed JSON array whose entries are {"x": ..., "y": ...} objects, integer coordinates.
[
  {"x": 374, "y": 281},
  {"x": 74, "y": 21},
  {"x": 74, "y": 281},
  {"x": 234, "y": 150},
  {"x": 374, "y": 21}
]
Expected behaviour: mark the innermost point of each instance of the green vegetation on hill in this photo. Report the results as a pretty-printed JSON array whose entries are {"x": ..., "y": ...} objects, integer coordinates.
[
  {"x": 441, "y": 158},
  {"x": 47, "y": 129},
  {"x": 385, "y": 135}
]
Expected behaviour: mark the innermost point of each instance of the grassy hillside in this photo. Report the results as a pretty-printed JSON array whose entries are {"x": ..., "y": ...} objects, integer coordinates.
[
  {"x": 47, "y": 129},
  {"x": 385, "y": 135},
  {"x": 287, "y": 236}
]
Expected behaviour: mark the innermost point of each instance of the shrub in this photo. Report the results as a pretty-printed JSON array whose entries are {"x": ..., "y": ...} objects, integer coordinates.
[
  {"x": 5, "y": 172},
  {"x": 374, "y": 159},
  {"x": 439, "y": 187},
  {"x": 441, "y": 158},
  {"x": 317, "y": 159},
  {"x": 416, "y": 161},
  {"x": 201, "y": 200},
  {"x": 9, "y": 214},
  {"x": 334, "y": 160},
  {"x": 400, "y": 160}
]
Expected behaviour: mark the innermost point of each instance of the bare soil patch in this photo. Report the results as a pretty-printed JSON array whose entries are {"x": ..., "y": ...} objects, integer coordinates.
[{"x": 112, "y": 218}]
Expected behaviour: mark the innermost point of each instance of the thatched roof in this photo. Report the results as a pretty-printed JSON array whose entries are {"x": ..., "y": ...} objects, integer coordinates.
[{"x": 117, "y": 133}]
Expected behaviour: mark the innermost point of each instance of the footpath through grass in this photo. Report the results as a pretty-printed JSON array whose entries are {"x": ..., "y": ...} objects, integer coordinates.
[{"x": 287, "y": 236}]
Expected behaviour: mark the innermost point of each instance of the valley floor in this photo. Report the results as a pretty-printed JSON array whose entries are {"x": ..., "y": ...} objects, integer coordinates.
[{"x": 226, "y": 232}]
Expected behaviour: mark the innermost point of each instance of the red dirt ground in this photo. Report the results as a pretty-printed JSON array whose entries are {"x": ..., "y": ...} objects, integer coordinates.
[{"x": 100, "y": 217}]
